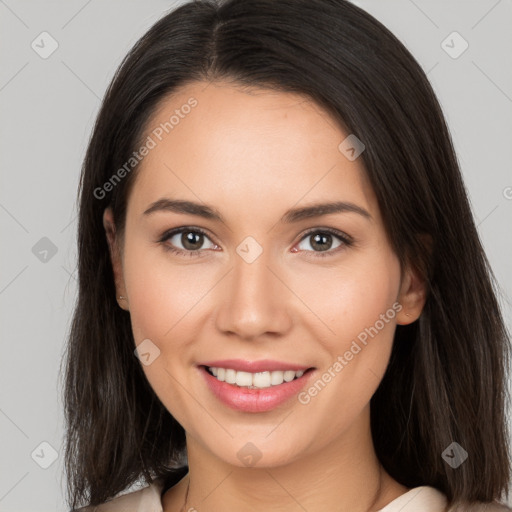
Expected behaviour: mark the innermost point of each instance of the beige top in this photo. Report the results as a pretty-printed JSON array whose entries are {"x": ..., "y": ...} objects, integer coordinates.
[{"x": 419, "y": 499}]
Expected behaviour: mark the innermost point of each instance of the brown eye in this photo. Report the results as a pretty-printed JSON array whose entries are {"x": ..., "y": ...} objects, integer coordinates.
[
  {"x": 186, "y": 241},
  {"x": 191, "y": 240},
  {"x": 324, "y": 241}
]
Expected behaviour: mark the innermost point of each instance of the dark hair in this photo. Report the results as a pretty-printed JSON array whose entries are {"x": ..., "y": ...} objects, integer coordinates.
[{"x": 446, "y": 378}]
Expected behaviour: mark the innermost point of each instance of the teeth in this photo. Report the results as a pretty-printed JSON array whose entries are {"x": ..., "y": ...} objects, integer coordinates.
[
  {"x": 261, "y": 380},
  {"x": 254, "y": 380},
  {"x": 243, "y": 379},
  {"x": 230, "y": 377}
]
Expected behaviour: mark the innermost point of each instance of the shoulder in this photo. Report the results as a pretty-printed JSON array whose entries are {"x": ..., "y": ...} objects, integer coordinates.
[
  {"x": 418, "y": 499},
  {"x": 147, "y": 499},
  {"x": 430, "y": 499}
]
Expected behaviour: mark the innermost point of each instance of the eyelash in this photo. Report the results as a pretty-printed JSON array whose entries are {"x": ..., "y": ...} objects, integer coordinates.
[{"x": 345, "y": 239}]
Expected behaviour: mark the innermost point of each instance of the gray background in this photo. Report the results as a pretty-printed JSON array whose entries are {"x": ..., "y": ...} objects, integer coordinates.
[{"x": 48, "y": 107}]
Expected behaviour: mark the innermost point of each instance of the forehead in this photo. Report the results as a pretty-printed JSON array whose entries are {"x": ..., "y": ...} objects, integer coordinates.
[{"x": 225, "y": 145}]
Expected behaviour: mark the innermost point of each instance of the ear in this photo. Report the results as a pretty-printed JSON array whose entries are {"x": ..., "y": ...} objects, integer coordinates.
[
  {"x": 115, "y": 257},
  {"x": 412, "y": 296}
]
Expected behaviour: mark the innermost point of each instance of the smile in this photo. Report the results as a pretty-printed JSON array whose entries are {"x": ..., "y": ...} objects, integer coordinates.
[
  {"x": 255, "y": 392},
  {"x": 256, "y": 380}
]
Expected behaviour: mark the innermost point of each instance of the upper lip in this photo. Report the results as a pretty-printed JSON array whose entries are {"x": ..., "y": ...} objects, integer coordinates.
[{"x": 241, "y": 365}]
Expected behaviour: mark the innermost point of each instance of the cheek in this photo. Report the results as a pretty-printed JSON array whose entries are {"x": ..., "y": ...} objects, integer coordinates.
[
  {"x": 162, "y": 294},
  {"x": 355, "y": 302},
  {"x": 351, "y": 296},
  {"x": 163, "y": 303},
  {"x": 363, "y": 299}
]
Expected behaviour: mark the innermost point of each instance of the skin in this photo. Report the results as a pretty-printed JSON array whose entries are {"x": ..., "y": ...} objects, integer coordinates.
[{"x": 253, "y": 155}]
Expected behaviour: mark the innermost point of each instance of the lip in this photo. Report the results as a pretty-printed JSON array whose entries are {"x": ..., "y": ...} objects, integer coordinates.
[
  {"x": 254, "y": 400},
  {"x": 263, "y": 365}
]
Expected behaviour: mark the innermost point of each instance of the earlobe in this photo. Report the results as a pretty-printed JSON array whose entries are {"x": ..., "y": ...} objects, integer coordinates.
[
  {"x": 412, "y": 297},
  {"x": 115, "y": 256}
]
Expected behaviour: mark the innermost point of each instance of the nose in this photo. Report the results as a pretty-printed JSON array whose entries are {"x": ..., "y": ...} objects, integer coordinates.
[{"x": 253, "y": 302}]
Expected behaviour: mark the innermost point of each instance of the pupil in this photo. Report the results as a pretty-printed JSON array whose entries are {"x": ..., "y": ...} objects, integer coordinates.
[
  {"x": 188, "y": 240},
  {"x": 324, "y": 237}
]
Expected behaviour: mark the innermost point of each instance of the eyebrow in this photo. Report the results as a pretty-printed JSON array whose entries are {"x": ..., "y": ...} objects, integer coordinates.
[{"x": 290, "y": 216}]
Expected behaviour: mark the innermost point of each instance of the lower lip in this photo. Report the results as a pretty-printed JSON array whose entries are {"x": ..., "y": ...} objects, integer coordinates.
[{"x": 254, "y": 400}]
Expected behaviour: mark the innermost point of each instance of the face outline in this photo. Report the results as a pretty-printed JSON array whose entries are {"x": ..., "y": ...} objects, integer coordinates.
[{"x": 253, "y": 156}]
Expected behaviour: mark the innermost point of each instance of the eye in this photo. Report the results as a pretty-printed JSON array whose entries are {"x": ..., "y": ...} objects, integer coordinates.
[
  {"x": 322, "y": 241},
  {"x": 191, "y": 240}
]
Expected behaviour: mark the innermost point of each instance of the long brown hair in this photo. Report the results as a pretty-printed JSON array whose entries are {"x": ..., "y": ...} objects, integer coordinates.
[{"x": 446, "y": 378}]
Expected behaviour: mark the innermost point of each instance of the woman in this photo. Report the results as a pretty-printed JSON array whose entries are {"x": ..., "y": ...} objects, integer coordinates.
[{"x": 283, "y": 300}]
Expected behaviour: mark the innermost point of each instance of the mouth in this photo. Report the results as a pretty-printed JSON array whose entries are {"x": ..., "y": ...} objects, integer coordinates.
[
  {"x": 255, "y": 391},
  {"x": 256, "y": 380}
]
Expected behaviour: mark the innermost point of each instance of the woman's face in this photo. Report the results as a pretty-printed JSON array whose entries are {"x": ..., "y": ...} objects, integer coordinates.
[{"x": 264, "y": 284}]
